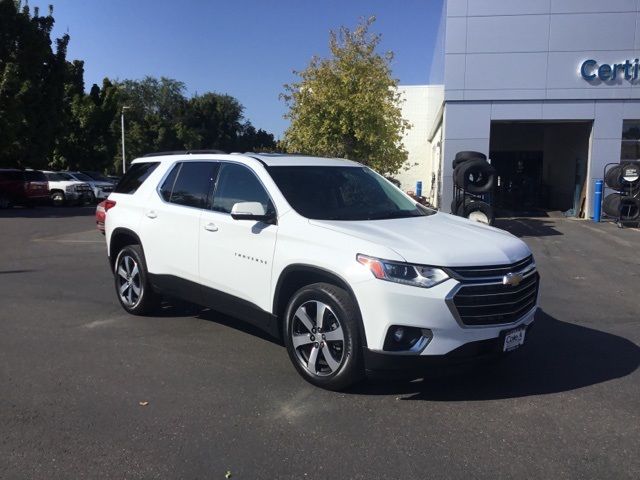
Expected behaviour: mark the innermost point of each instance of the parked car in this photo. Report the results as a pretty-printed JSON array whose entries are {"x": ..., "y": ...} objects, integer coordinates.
[
  {"x": 65, "y": 189},
  {"x": 97, "y": 176},
  {"x": 101, "y": 212},
  {"x": 23, "y": 187},
  {"x": 101, "y": 189},
  {"x": 354, "y": 274}
]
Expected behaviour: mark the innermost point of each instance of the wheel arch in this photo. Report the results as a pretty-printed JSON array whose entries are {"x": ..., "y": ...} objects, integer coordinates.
[
  {"x": 296, "y": 276},
  {"x": 120, "y": 238}
]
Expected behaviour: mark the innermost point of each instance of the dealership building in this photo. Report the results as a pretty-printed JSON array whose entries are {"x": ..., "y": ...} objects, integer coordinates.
[{"x": 549, "y": 90}]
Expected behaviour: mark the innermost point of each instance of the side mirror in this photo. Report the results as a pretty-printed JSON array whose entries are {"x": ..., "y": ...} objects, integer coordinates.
[{"x": 251, "y": 211}]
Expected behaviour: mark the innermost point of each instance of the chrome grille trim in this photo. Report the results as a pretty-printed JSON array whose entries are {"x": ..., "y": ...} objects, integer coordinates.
[
  {"x": 485, "y": 301},
  {"x": 491, "y": 272}
]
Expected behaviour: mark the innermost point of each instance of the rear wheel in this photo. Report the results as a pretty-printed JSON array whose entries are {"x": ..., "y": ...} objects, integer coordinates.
[
  {"x": 132, "y": 282},
  {"x": 57, "y": 199},
  {"x": 322, "y": 337}
]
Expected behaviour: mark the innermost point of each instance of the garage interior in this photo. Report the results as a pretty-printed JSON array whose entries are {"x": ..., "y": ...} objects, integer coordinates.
[{"x": 541, "y": 167}]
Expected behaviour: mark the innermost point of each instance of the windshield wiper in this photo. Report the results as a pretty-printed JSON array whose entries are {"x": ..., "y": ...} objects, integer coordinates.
[{"x": 395, "y": 214}]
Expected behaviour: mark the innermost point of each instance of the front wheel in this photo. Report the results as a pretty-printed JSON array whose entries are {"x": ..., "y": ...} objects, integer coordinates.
[
  {"x": 132, "y": 283},
  {"x": 322, "y": 336}
]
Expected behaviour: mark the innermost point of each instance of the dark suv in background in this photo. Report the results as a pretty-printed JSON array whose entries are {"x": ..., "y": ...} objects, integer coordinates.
[{"x": 23, "y": 187}]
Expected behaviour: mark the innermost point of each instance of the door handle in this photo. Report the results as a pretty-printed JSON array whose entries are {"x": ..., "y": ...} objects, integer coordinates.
[
  {"x": 212, "y": 227},
  {"x": 152, "y": 214}
]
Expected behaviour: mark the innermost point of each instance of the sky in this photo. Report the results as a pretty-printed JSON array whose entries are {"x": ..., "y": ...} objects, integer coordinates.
[{"x": 244, "y": 48}]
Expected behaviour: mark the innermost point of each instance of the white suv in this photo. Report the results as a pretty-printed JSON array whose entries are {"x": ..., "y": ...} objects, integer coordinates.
[{"x": 346, "y": 268}]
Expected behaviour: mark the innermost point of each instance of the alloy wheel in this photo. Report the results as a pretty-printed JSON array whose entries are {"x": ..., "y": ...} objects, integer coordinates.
[
  {"x": 317, "y": 338},
  {"x": 129, "y": 285}
]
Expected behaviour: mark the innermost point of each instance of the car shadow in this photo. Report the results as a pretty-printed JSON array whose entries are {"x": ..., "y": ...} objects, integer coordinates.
[
  {"x": 172, "y": 307},
  {"x": 558, "y": 357},
  {"x": 48, "y": 212}
]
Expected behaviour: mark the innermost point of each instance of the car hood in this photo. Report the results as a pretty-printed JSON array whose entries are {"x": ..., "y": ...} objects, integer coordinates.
[{"x": 439, "y": 239}]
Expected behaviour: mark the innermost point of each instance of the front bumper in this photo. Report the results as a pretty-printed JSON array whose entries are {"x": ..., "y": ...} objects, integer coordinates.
[
  {"x": 384, "y": 363},
  {"x": 384, "y": 304}
]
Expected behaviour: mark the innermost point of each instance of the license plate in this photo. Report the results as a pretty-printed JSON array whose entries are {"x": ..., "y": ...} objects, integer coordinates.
[{"x": 514, "y": 339}]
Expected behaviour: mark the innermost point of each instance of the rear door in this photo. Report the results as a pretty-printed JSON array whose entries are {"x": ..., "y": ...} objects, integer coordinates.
[
  {"x": 236, "y": 255},
  {"x": 170, "y": 224}
]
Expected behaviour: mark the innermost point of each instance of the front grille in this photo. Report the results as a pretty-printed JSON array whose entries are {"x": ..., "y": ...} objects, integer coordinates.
[
  {"x": 486, "y": 300},
  {"x": 468, "y": 273}
]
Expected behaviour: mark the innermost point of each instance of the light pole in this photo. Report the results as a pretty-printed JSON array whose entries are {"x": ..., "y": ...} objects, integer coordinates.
[{"x": 124, "y": 163}]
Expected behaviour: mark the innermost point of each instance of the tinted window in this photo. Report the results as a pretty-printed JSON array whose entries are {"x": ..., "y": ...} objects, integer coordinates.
[
  {"x": 342, "y": 193},
  {"x": 135, "y": 176},
  {"x": 11, "y": 175},
  {"x": 34, "y": 176},
  {"x": 237, "y": 183},
  {"x": 167, "y": 186},
  {"x": 58, "y": 177},
  {"x": 191, "y": 187},
  {"x": 98, "y": 176},
  {"x": 82, "y": 177}
]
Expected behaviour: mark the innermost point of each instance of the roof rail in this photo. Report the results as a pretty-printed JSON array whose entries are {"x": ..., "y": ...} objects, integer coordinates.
[{"x": 184, "y": 152}]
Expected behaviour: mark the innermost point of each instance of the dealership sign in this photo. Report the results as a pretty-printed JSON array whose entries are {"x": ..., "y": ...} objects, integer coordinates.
[{"x": 590, "y": 70}]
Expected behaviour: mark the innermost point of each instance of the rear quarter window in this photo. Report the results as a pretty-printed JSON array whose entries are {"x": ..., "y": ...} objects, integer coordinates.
[{"x": 135, "y": 176}]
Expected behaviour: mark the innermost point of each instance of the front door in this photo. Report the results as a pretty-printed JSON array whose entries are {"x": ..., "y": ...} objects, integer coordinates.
[{"x": 236, "y": 255}]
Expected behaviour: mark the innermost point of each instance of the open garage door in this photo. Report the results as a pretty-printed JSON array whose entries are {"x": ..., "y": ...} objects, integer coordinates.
[{"x": 541, "y": 166}]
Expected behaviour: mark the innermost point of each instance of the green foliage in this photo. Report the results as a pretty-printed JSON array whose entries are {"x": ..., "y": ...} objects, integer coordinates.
[
  {"x": 161, "y": 118},
  {"x": 48, "y": 120},
  {"x": 348, "y": 105},
  {"x": 31, "y": 85}
]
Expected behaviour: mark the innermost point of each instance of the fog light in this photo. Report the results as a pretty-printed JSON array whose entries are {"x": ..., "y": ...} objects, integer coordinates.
[
  {"x": 401, "y": 339},
  {"x": 398, "y": 333}
]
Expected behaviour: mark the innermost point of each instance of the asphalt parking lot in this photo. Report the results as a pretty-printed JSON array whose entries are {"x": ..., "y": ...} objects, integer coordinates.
[{"x": 74, "y": 370}]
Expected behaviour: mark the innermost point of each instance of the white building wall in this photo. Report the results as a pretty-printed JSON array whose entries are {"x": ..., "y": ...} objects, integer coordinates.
[
  {"x": 520, "y": 60},
  {"x": 420, "y": 107}
]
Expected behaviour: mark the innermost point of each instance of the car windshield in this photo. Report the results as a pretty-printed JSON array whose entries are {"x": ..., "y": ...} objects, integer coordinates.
[
  {"x": 58, "y": 177},
  {"x": 82, "y": 177},
  {"x": 342, "y": 193}
]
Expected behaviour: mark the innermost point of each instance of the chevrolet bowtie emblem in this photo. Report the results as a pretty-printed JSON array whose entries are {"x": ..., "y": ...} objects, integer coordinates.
[{"x": 512, "y": 279}]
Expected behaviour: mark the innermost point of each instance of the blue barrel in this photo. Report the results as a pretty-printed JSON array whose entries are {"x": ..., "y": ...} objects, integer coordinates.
[
  {"x": 597, "y": 201},
  {"x": 418, "y": 188}
]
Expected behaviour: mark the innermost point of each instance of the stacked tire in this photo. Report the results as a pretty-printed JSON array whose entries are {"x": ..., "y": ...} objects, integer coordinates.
[
  {"x": 624, "y": 204},
  {"x": 474, "y": 177}
]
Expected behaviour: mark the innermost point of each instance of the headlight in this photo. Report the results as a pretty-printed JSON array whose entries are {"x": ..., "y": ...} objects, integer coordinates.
[
  {"x": 70, "y": 188},
  {"x": 405, "y": 273}
]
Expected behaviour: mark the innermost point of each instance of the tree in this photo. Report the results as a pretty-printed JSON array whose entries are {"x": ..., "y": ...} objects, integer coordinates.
[
  {"x": 32, "y": 76},
  {"x": 348, "y": 105},
  {"x": 161, "y": 117}
]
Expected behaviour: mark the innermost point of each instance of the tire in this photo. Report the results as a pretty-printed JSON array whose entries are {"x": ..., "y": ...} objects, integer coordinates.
[
  {"x": 454, "y": 207},
  {"x": 627, "y": 208},
  {"x": 344, "y": 366},
  {"x": 630, "y": 174},
  {"x": 463, "y": 156},
  {"x": 58, "y": 199},
  {"x": 479, "y": 211},
  {"x": 613, "y": 177},
  {"x": 475, "y": 176},
  {"x": 131, "y": 281}
]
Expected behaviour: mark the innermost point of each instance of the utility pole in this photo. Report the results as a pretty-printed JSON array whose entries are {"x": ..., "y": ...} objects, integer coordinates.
[{"x": 124, "y": 163}]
